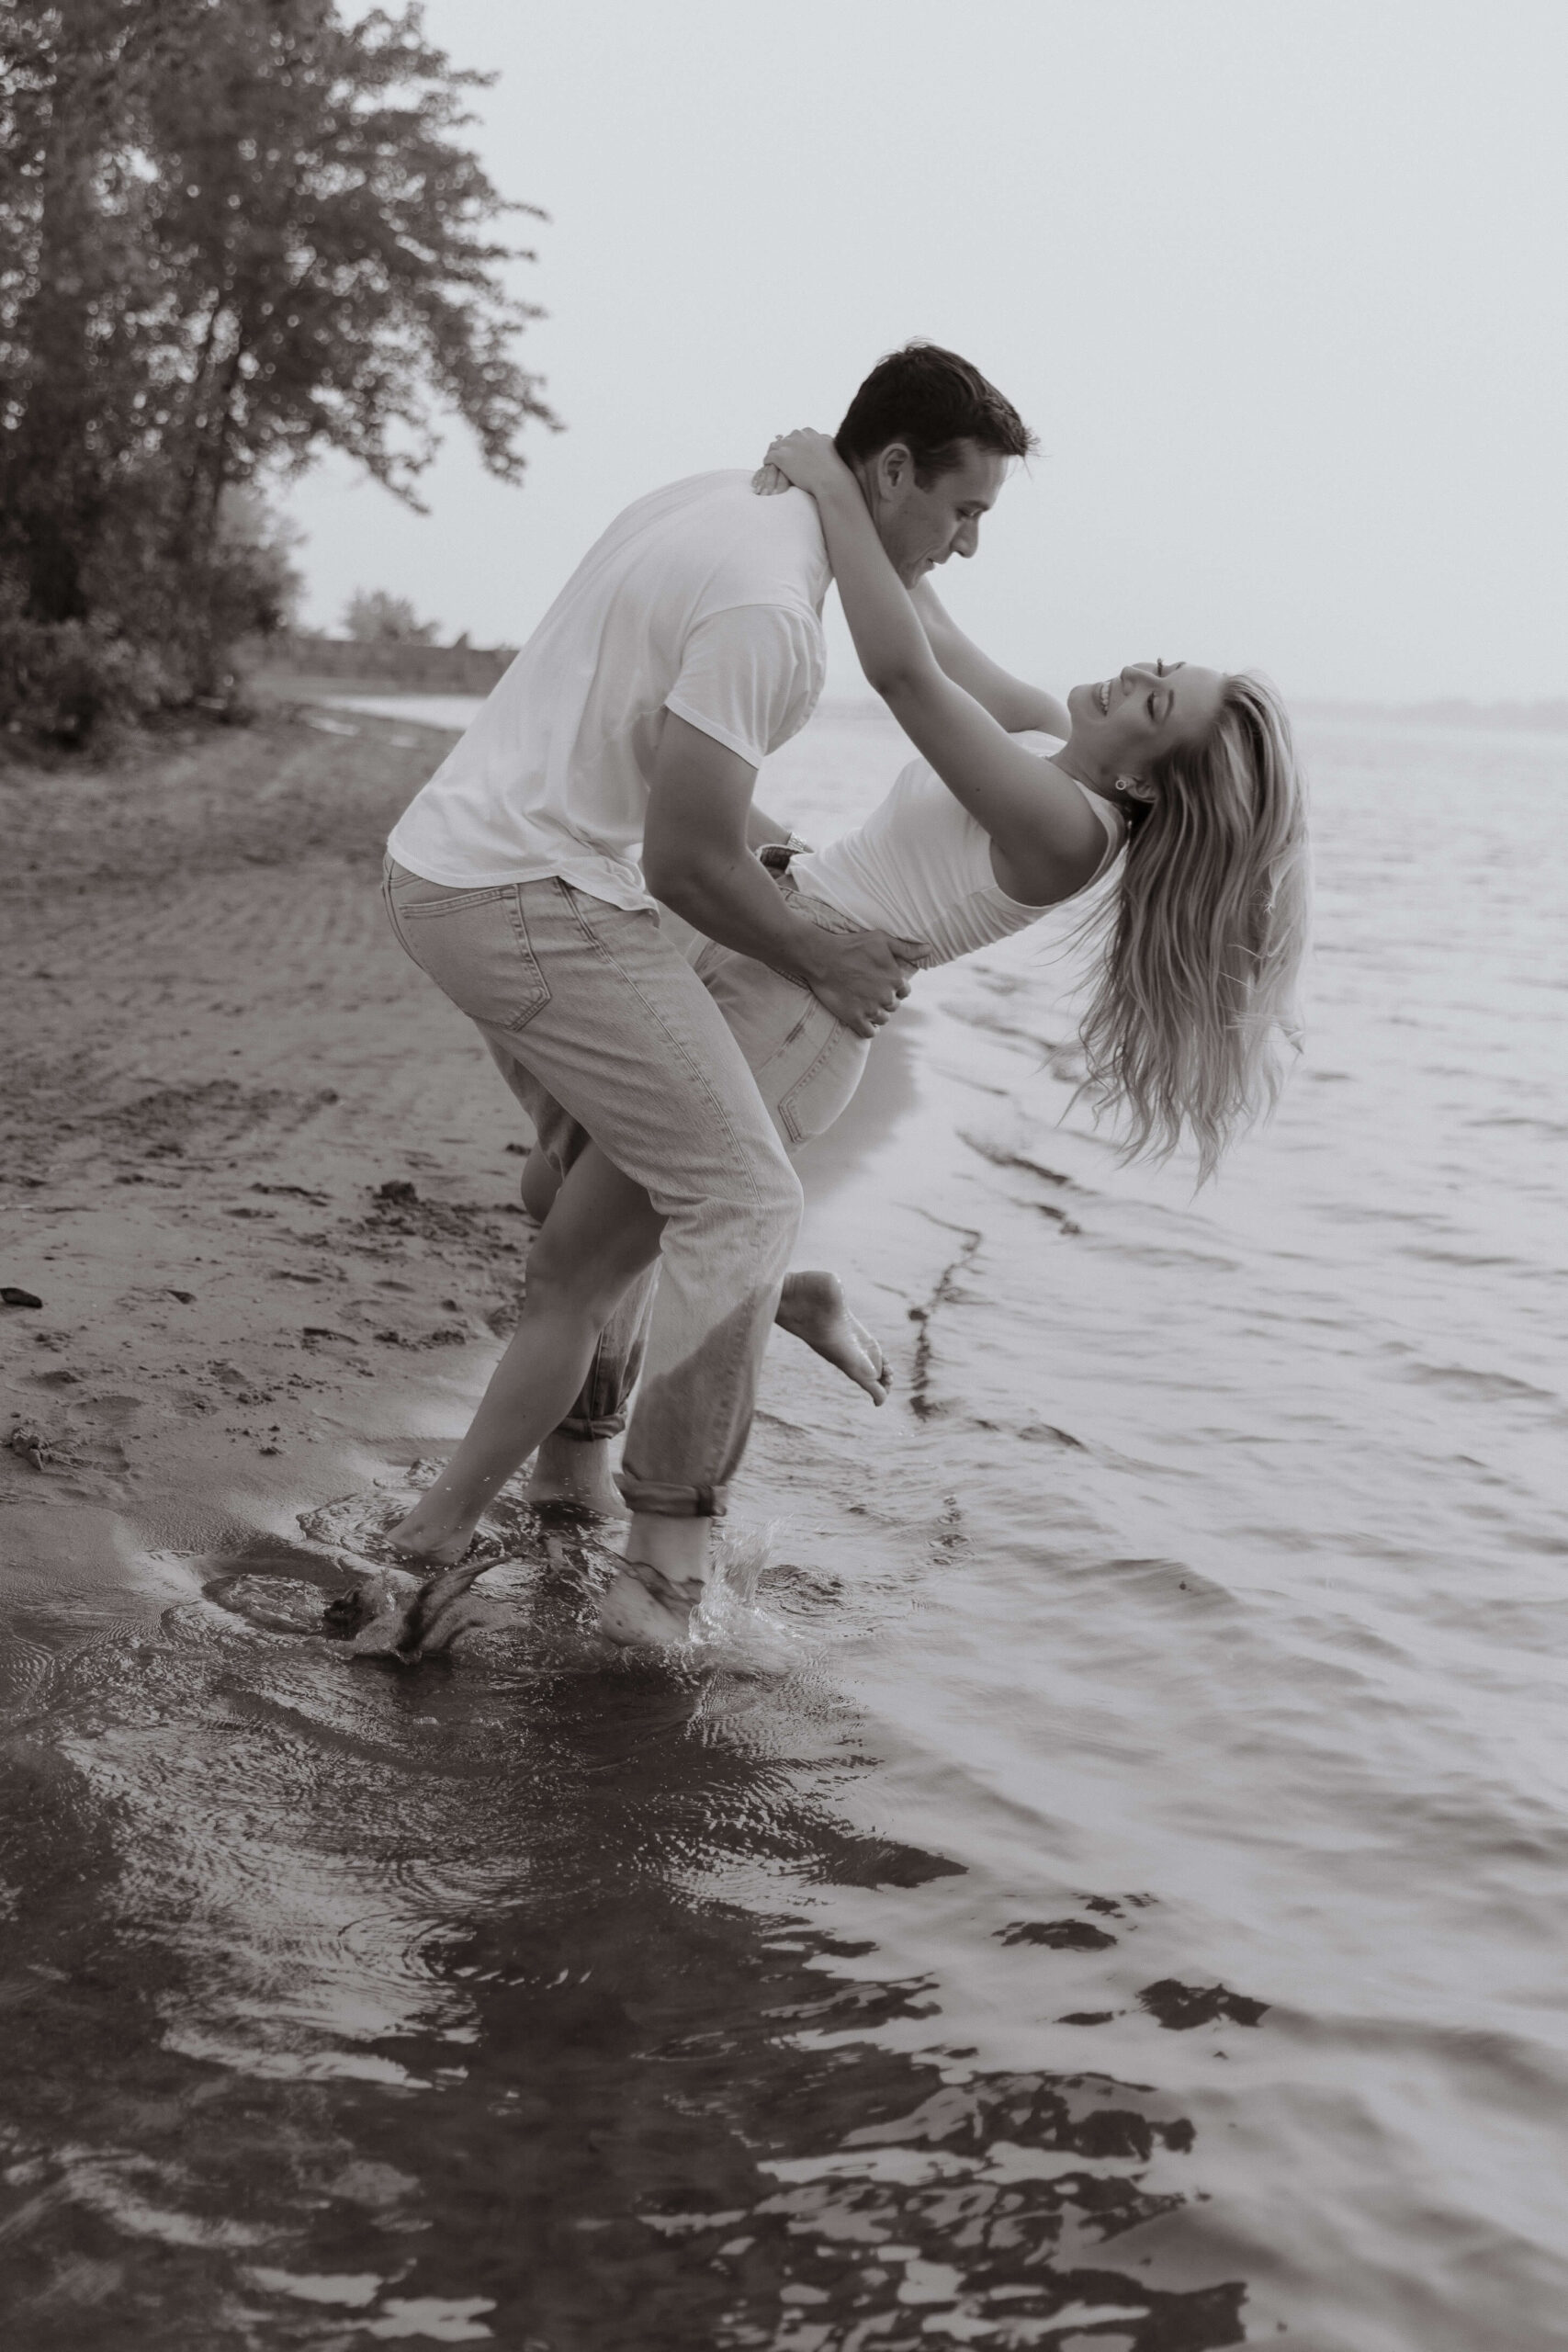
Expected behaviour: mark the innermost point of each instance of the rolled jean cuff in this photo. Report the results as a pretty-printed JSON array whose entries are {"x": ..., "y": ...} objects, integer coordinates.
[
  {"x": 672, "y": 1502},
  {"x": 586, "y": 1429}
]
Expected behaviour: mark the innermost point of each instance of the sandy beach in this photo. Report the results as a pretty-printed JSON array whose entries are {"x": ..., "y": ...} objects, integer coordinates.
[
  {"x": 247, "y": 1172},
  {"x": 259, "y": 1174}
]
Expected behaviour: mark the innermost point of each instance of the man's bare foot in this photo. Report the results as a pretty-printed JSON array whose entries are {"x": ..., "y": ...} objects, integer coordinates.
[
  {"x": 567, "y": 1471},
  {"x": 644, "y": 1609},
  {"x": 656, "y": 1591},
  {"x": 812, "y": 1309}
]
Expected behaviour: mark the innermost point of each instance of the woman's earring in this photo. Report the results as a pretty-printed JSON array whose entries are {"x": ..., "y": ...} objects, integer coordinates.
[{"x": 1124, "y": 785}]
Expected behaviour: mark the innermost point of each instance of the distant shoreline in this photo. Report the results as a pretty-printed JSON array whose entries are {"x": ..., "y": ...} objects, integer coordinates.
[
  {"x": 1537, "y": 718},
  {"x": 285, "y": 672}
]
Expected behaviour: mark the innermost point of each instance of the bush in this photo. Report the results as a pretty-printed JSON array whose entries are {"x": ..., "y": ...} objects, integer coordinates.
[
  {"x": 159, "y": 637},
  {"x": 68, "y": 681},
  {"x": 373, "y": 617}
]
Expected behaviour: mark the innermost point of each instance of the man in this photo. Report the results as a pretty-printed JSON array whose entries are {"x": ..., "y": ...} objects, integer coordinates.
[{"x": 686, "y": 647}]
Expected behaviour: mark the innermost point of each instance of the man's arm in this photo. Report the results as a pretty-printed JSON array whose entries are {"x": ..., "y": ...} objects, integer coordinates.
[
  {"x": 761, "y": 828},
  {"x": 696, "y": 857},
  {"x": 1012, "y": 702}
]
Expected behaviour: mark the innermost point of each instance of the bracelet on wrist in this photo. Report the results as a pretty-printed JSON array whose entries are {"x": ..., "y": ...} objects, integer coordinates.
[{"x": 776, "y": 856}]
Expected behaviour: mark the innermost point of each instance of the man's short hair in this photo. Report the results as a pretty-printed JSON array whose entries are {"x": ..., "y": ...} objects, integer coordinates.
[{"x": 932, "y": 400}]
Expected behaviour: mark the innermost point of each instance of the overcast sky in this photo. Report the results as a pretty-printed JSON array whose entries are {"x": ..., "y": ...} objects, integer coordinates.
[{"x": 1283, "y": 285}]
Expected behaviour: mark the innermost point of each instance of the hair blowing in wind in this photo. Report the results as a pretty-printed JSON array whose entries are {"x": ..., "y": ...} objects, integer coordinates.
[{"x": 1193, "y": 1005}]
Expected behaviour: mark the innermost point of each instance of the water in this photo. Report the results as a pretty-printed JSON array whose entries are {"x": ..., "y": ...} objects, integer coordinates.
[
  {"x": 424, "y": 711},
  {"x": 1100, "y": 1885}
]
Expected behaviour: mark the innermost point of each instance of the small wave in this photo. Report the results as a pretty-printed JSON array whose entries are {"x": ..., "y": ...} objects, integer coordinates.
[
  {"x": 1433, "y": 1257},
  {"x": 1553, "y": 1130},
  {"x": 124, "y": 2191},
  {"x": 1480, "y": 1387},
  {"x": 999, "y": 1156}
]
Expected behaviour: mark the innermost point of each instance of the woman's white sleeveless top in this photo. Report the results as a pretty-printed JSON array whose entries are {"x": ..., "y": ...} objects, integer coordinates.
[{"x": 921, "y": 866}]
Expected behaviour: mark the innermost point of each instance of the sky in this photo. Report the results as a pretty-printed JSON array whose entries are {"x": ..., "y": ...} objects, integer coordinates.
[{"x": 1281, "y": 284}]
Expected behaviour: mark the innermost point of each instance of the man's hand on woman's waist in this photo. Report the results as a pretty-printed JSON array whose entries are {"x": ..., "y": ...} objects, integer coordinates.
[
  {"x": 695, "y": 857},
  {"x": 861, "y": 975}
]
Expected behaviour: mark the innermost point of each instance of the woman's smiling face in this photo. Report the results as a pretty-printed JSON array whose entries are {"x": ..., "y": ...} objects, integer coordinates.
[{"x": 1151, "y": 707}]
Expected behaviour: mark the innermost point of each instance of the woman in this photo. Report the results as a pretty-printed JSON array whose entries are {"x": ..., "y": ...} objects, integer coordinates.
[{"x": 1190, "y": 772}]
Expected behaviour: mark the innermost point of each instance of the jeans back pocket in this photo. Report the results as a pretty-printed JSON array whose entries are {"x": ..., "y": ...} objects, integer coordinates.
[{"x": 474, "y": 944}]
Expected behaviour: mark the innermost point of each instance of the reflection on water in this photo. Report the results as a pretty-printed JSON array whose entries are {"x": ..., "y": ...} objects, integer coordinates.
[
  {"x": 1100, "y": 1884},
  {"x": 349, "y": 2004}
]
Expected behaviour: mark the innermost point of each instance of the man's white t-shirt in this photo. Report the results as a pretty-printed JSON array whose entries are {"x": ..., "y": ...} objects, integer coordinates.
[{"x": 703, "y": 599}]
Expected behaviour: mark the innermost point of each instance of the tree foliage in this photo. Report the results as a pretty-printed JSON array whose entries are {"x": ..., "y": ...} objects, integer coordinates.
[
  {"x": 233, "y": 233},
  {"x": 372, "y": 616}
]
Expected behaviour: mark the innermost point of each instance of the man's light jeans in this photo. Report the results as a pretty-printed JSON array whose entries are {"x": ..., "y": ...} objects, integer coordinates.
[
  {"x": 601, "y": 1029},
  {"x": 807, "y": 1065}
]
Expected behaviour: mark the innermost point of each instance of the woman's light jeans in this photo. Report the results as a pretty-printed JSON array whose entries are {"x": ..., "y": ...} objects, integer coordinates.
[{"x": 696, "y": 1071}]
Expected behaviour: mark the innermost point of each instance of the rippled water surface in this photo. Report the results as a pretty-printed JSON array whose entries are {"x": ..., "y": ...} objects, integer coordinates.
[{"x": 1099, "y": 1881}]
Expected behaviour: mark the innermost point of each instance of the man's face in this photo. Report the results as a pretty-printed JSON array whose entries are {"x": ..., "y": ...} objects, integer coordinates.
[{"x": 922, "y": 527}]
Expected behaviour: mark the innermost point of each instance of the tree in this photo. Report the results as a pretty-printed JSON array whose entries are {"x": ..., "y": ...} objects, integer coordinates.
[
  {"x": 374, "y": 618},
  {"x": 232, "y": 233}
]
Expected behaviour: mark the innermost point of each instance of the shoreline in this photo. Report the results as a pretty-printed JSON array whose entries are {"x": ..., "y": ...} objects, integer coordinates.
[
  {"x": 258, "y": 1171},
  {"x": 217, "y": 1059}
]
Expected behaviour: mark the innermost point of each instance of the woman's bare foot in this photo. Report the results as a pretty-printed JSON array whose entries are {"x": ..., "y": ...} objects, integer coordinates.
[
  {"x": 569, "y": 1471},
  {"x": 428, "y": 1537},
  {"x": 812, "y": 1309}
]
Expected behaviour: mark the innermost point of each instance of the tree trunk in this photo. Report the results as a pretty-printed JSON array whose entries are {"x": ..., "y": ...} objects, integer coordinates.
[{"x": 59, "y": 494}]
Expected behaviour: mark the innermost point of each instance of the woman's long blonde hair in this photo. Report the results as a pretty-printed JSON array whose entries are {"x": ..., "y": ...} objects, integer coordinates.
[{"x": 1203, "y": 939}]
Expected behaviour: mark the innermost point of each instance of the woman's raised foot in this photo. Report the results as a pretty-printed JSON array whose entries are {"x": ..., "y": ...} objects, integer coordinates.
[{"x": 812, "y": 1307}]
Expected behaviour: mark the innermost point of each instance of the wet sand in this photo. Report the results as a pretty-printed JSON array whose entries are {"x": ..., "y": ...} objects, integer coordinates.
[{"x": 218, "y": 1062}]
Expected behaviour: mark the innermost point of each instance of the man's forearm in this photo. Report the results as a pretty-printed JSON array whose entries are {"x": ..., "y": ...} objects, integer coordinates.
[
  {"x": 697, "y": 852},
  {"x": 732, "y": 899},
  {"x": 761, "y": 828}
]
